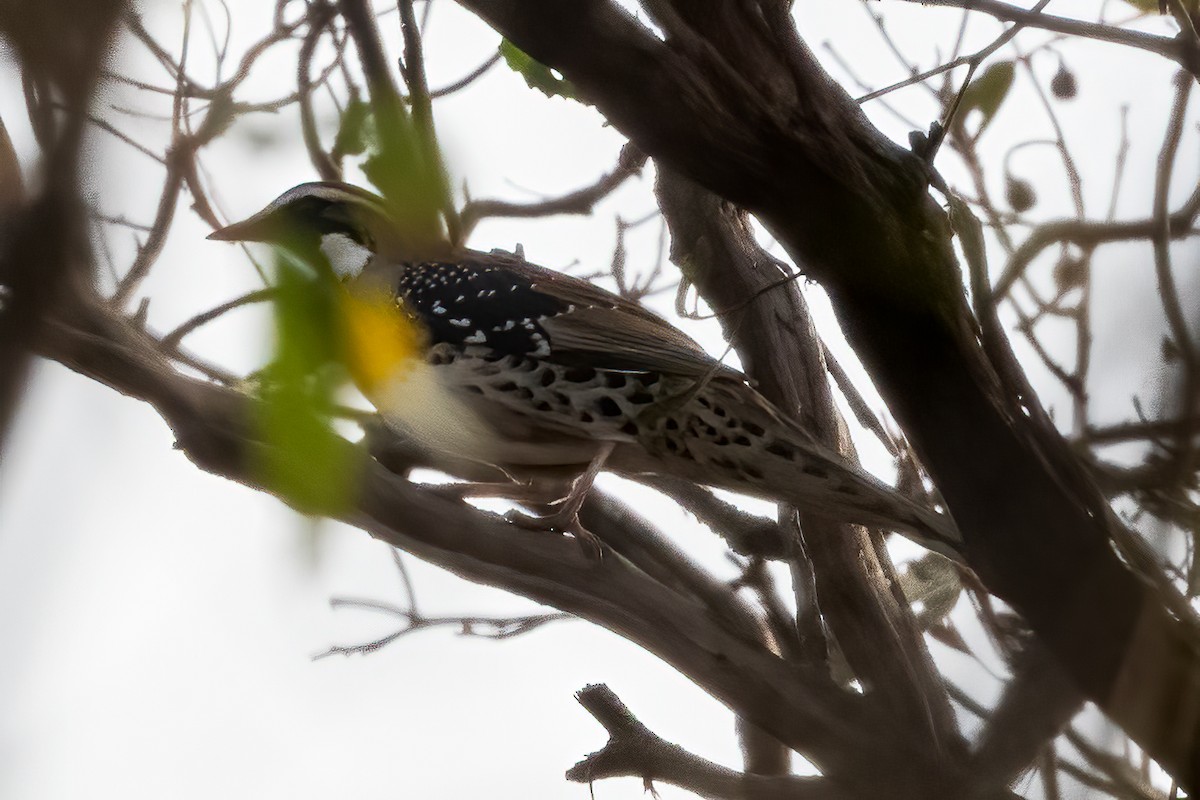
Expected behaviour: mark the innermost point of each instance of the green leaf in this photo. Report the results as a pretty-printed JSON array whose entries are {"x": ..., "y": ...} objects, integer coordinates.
[
  {"x": 355, "y": 130},
  {"x": 933, "y": 582},
  {"x": 987, "y": 92},
  {"x": 403, "y": 165},
  {"x": 304, "y": 460},
  {"x": 1148, "y": 6},
  {"x": 535, "y": 73}
]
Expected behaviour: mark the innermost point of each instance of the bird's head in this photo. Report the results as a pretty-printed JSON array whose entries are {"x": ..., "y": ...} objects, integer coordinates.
[{"x": 347, "y": 224}]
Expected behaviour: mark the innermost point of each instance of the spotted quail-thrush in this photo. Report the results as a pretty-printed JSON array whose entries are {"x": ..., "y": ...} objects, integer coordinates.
[{"x": 489, "y": 360}]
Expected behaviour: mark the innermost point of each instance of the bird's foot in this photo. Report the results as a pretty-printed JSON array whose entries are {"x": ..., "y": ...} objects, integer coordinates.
[
  {"x": 565, "y": 520},
  {"x": 564, "y": 516}
]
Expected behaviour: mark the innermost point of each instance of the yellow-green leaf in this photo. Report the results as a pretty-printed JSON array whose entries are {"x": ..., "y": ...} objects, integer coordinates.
[
  {"x": 535, "y": 73},
  {"x": 987, "y": 92},
  {"x": 304, "y": 460},
  {"x": 355, "y": 130},
  {"x": 933, "y": 582}
]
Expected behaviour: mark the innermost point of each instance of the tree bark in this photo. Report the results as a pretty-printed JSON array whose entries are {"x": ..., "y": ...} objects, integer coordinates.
[{"x": 735, "y": 100}]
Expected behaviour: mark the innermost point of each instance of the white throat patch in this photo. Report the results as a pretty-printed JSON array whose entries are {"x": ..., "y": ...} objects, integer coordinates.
[{"x": 346, "y": 256}]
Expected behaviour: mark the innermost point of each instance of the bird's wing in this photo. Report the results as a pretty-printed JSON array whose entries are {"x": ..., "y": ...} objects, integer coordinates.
[
  {"x": 603, "y": 330},
  {"x": 613, "y": 338}
]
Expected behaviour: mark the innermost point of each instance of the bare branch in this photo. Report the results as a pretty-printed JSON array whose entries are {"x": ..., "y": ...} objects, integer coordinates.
[
  {"x": 1189, "y": 351},
  {"x": 171, "y": 340},
  {"x": 780, "y": 349},
  {"x": 406, "y": 176},
  {"x": 327, "y": 168},
  {"x": 580, "y": 201},
  {"x": 1089, "y": 234},
  {"x": 1151, "y": 430},
  {"x": 413, "y": 68},
  {"x": 634, "y": 751},
  {"x": 467, "y": 79},
  {"x": 1184, "y": 52},
  {"x": 477, "y": 626}
]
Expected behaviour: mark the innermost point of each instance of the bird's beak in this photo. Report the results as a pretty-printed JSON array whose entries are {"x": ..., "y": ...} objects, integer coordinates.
[{"x": 262, "y": 227}]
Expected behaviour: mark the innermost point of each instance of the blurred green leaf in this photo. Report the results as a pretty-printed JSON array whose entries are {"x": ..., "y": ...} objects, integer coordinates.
[
  {"x": 405, "y": 170},
  {"x": 305, "y": 461},
  {"x": 987, "y": 92},
  {"x": 1148, "y": 6},
  {"x": 933, "y": 582},
  {"x": 535, "y": 73},
  {"x": 356, "y": 129}
]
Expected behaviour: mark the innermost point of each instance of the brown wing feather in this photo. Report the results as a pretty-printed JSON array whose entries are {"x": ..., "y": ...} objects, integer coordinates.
[
  {"x": 613, "y": 338},
  {"x": 607, "y": 331}
]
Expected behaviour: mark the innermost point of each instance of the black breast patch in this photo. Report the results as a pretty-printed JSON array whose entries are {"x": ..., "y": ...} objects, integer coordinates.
[{"x": 479, "y": 304}]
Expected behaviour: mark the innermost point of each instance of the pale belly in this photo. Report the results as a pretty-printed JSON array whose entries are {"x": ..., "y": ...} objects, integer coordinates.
[
  {"x": 420, "y": 404},
  {"x": 450, "y": 409}
]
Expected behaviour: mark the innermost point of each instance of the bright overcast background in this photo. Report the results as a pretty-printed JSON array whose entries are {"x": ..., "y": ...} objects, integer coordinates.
[{"x": 159, "y": 625}]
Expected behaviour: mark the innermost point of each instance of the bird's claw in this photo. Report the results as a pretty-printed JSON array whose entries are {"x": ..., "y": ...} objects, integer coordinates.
[{"x": 560, "y": 522}]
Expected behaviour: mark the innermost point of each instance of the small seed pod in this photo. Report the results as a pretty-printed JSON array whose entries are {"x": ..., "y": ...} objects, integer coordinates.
[
  {"x": 1019, "y": 193},
  {"x": 1069, "y": 273},
  {"x": 1063, "y": 84}
]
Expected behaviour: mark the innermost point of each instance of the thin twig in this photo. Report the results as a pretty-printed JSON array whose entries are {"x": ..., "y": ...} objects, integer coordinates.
[
  {"x": 172, "y": 339},
  {"x": 1189, "y": 354},
  {"x": 580, "y": 201},
  {"x": 413, "y": 69}
]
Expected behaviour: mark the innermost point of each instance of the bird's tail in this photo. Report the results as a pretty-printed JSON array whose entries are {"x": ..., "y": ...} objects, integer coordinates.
[{"x": 723, "y": 433}]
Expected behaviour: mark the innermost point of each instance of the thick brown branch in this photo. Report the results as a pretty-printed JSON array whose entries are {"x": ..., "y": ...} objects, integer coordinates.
[
  {"x": 801, "y": 708},
  {"x": 43, "y": 243},
  {"x": 779, "y": 346},
  {"x": 791, "y": 146},
  {"x": 1037, "y": 704}
]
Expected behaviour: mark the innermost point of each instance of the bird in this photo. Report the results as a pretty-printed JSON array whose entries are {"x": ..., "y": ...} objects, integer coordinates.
[{"x": 484, "y": 359}]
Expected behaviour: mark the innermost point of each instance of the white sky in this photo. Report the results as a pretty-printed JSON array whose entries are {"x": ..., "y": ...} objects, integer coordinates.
[{"x": 159, "y": 624}]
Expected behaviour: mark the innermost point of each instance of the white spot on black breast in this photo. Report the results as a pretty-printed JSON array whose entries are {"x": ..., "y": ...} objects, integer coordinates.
[{"x": 498, "y": 307}]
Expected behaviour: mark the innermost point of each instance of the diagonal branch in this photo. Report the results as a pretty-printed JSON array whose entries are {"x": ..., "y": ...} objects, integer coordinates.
[
  {"x": 778, "y": 344},
  {"x": 801, "y": 708},
  {"x": 43, "y": 238},
  {"x": 789, "y": 145}
]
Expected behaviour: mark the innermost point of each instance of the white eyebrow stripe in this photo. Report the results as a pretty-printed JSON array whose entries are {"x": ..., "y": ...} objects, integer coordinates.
[
  {"x": 346, "y": 256},
  {"x": 342, "y": 193}
]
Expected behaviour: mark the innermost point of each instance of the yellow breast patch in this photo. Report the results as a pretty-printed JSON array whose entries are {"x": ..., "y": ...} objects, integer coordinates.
[{"x": 380, "y": 341}]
